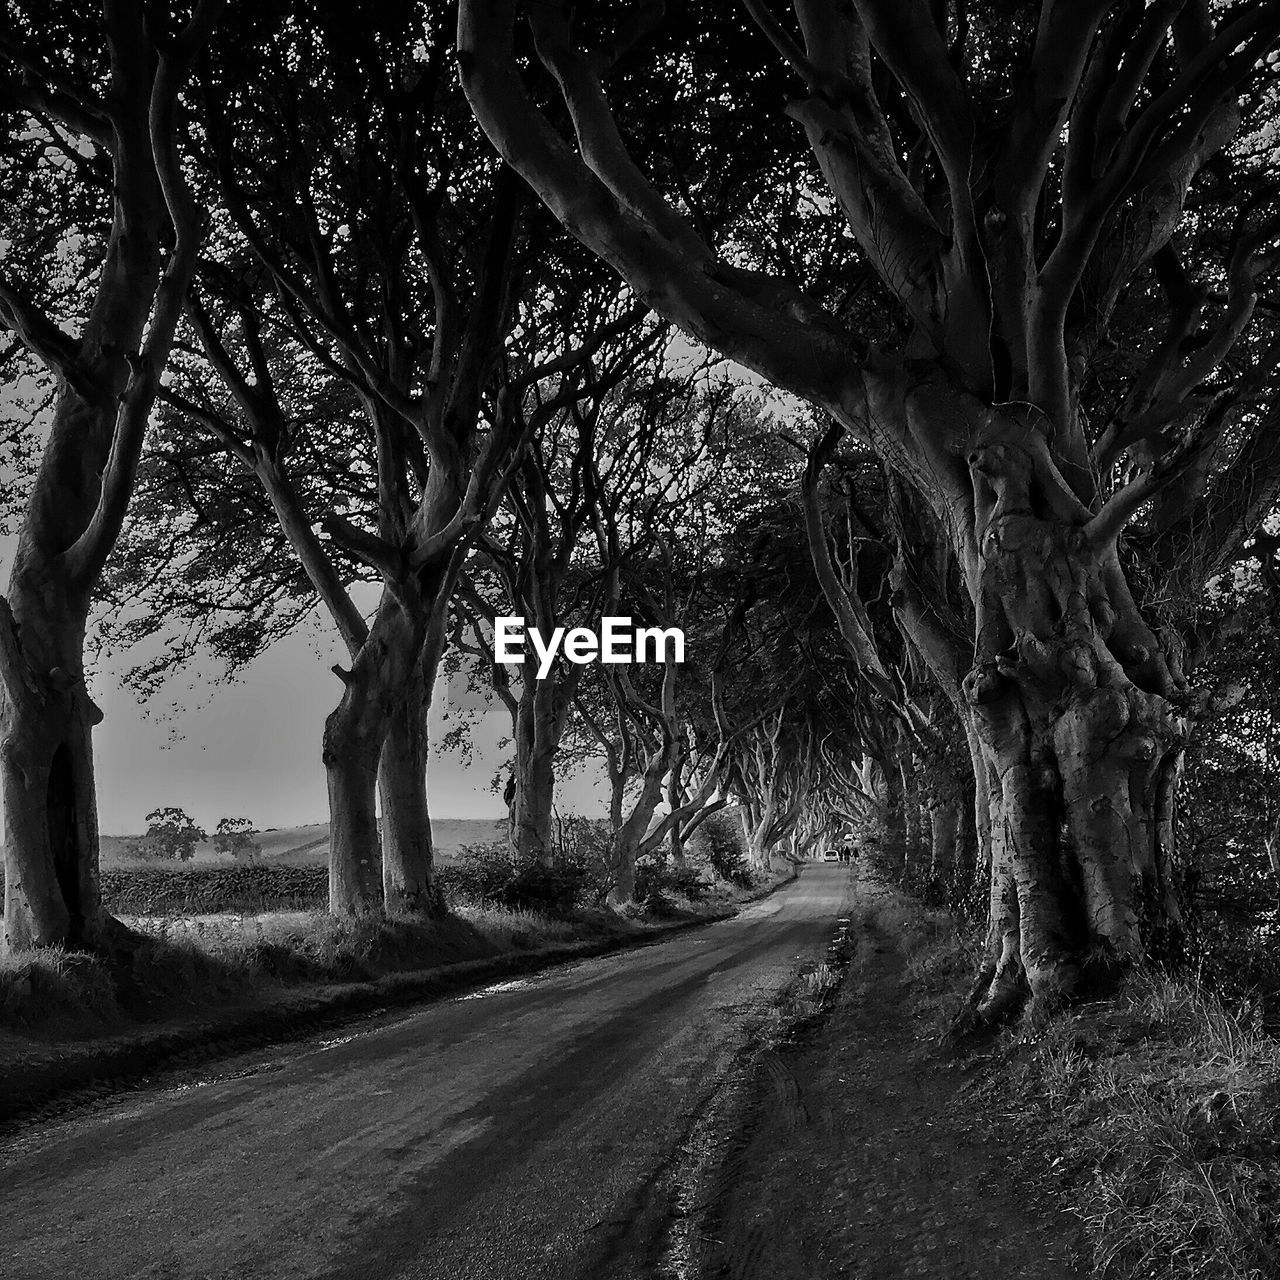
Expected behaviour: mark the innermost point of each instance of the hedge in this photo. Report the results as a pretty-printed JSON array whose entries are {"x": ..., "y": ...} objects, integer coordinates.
[{"x": 147, "y": 891}]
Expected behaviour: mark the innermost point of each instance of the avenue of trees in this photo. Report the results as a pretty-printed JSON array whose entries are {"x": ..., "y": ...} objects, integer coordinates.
[{"x": 916, "y": 358}]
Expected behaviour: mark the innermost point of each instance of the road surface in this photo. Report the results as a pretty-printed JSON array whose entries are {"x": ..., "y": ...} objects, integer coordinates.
[{"x": 519, "y": 1132}]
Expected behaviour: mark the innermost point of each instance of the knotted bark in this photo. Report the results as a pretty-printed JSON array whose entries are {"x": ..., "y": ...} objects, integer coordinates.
[{"x": 1081, "y": 716}]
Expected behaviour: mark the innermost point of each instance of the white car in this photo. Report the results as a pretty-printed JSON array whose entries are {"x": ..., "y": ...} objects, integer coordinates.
[{"x": 831, "y": 855}]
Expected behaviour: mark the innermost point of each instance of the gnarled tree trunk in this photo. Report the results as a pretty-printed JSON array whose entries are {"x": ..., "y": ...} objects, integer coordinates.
[
  {"x": 1079, "y": 713},
  {"x": 911, "y": 825},
  {"x": 944, "y": 831}
]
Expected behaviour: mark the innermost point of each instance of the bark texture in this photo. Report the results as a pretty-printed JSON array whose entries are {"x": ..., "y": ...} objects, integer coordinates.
[
  {"x": 408, "y": 854},
  {"x": 1081, "y": 715},
  {"x": 541, "y": 714},
  {"x": 376, "y": 739},
  {"x": 46, "y": 769}
]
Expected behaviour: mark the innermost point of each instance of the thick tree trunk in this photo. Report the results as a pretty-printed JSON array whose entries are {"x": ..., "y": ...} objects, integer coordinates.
[
  {"x": 675, "y": 837},
  {"x": 628, "y": 837},
  {"x": 1074, "y": 704},
  {"x": 759, "y": 852},
  {"x": 538, "y": 733},
  {"x": 623, "y": 857},
  {"x": 944, "y": 829},
  {"x": 895, "y": 830},
  {"x": 385, "y": 681},
  {"x": 979, "y": 820},
  {"x": 46, "y": 772},
  {"x": 108, "y": 377},
  {"x": 966, "y": 857},
  {"x": 951, "y": 824},
  {"x": 408, "y": 856},
  {"x": 353, "y": 739}
]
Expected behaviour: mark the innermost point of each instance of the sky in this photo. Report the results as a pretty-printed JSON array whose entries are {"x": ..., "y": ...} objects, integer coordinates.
[{"x": 252, "y": 749}]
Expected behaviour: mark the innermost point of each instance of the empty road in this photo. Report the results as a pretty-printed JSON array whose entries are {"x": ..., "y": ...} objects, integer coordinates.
[{"x": 515, "y": 1132}]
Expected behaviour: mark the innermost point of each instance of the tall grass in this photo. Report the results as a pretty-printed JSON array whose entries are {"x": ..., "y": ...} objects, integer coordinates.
[
  {"x": 56, "y": 988},
  {"x": 1158, "y": 1110},
  {"x": 1165, "y": 1106}
]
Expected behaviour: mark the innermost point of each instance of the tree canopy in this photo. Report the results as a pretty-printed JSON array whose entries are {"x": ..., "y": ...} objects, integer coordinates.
[{"x": 917, "y": 360}]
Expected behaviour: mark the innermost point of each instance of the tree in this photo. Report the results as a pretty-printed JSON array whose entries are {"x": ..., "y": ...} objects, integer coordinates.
[
  {"x": 1032, "y": 333},
  {"x": 635, "y": 451},
  {"x": 658, "y": 507},
  {"x": 392, "y": 264},
  {"x": 235, "y": 836},
  {"x": 535, "y": 560},
  {"x": 379, "y": 332},
  {"x": 91, "y": 123},
  {"x": 171, "y": 833},
  {"x": 772, "y": 783}
]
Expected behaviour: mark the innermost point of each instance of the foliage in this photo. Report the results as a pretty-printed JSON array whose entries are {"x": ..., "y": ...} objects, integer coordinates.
[
  {"x": 1229, "y": 829},
  {"x": 486, "y": 873},
  {"x": 581, "y": 874},
  {"x": 171, "y": 833},
  {"x": 1022, "y": 274},
  {"x": 235, "y": 836},
  {"x": 719, "y": 839},
  {"x": 658, "y": 881},
  {"x": 588, "y": 842}
]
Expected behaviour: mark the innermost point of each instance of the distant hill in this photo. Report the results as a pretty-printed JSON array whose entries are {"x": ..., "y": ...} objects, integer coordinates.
[{"x": 308, "y": 845}]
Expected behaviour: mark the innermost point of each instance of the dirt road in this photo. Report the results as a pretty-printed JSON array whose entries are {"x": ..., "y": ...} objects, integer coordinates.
[{"x": 521, "y": 1132}]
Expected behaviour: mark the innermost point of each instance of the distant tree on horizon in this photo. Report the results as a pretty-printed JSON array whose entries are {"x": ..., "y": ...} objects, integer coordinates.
[
  {"x": 235, "y": 836},
  {"x": 171, "y": 834}
]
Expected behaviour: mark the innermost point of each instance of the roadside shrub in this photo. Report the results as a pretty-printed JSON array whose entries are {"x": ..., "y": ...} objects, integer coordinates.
[
  {"x": 588, "y": 843},
  {"x": 719, "y": 839},
  {"x": 51, "y": 985},
  {"x": 485, "y": 873},
  {"x": 479, "y": 872},
  {"x": 555, "y": 890},
  {"x": 658, "y": 882}
]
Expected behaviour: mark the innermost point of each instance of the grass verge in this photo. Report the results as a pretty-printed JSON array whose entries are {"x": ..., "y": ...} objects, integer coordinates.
[
  {"x": 1164, "y": 1108},
  {"x": 194, "y": 962},
  {"x": 1155, "y": 1115},
  {"x": 202, "y": 961}
]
